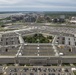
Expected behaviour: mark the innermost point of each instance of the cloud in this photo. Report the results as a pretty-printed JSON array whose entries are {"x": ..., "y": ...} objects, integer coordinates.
[
  {"x": 38, "y": 4},
  {"x": 8, "y": 1}
]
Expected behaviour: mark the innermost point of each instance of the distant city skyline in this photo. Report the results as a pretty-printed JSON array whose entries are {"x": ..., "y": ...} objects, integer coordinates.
[{"x": 37, "y": 5}]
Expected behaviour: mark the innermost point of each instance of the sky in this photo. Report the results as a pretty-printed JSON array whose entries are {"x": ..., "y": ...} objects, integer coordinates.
[{"x": 37, "y": 5}]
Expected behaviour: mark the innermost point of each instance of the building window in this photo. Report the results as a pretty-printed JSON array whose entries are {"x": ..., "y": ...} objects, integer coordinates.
[
  {"x": 75, "y": 43},
  {"x": 69, "y": 42},
  {"x": 63, "y": 42},
  {"x": 63, "y": 38},
  {"x": 68, "y": 38},
  {"x": 58, "y": 38},
  {"x": 1, "y": 39},
  {"x": 6, "y": 43},
  {"x": 70, "y": 50},
  {"x": 6, "y": 50}
]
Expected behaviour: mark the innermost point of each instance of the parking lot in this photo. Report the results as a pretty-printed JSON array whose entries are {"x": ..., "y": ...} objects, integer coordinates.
[{"x": 37, "y": 70}]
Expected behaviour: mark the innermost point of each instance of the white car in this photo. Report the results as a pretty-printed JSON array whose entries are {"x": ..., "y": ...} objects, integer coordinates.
[{"x": 61, "y": 54}]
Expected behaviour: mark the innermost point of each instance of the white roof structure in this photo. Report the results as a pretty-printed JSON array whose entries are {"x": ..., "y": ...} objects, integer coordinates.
[{"x": 73, "y": 21}]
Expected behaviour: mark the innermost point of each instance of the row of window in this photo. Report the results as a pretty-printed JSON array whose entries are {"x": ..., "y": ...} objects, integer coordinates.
[{"x": 63, "y": 40}]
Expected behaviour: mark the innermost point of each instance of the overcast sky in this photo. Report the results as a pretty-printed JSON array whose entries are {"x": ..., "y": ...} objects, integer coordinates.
[{"x": 37, "y": 5}]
